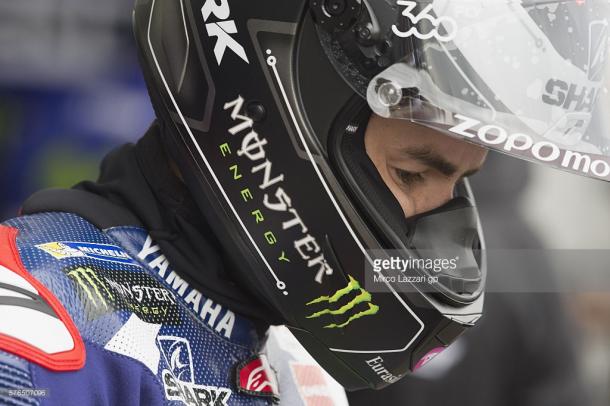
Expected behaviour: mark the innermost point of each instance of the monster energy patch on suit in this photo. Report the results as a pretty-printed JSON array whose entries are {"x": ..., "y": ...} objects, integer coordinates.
[
  {"x": 359, "y": 306},
  {"x": 109, "y": 290}
]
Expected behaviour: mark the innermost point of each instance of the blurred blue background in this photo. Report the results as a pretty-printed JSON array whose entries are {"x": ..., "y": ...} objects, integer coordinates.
[{"x": 70, "y": 90}]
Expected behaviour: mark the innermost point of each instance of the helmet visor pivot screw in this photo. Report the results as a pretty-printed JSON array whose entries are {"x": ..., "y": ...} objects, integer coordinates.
[
  {"x": 335, "y": 7},
  {"x": 390, "y": 94},
  {"x": 256, "y": 111}
]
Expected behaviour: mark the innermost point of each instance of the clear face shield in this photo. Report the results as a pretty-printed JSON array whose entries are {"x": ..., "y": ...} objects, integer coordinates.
[{"x": 527, "y": 78}]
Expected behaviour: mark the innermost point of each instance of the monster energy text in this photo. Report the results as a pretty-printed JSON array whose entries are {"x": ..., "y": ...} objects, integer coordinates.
[
  {"x": 106, "y": 294},
  {"x": 361, "y": 297},
  {"x": 275, "y": 199}
]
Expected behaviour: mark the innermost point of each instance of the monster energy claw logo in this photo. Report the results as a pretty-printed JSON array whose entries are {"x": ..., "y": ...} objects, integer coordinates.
[
  {"x": 108, "y": 291},
  {"x": 362, "y": 297},
  {"x": 91, "y": 284}
]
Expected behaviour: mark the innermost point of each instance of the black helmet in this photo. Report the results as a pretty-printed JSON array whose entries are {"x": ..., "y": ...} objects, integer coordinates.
[{"x": 267, "y": 102}]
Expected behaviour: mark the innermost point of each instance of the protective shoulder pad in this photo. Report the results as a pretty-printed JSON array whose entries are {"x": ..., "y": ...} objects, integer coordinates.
[{"x": 33, "y": 323}]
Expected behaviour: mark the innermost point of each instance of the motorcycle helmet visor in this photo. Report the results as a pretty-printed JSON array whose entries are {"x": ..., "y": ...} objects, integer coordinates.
[{"x": 527, "y": 78}]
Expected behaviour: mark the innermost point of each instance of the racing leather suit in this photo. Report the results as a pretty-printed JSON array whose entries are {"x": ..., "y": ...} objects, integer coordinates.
[{"x": 93, "y": 311}]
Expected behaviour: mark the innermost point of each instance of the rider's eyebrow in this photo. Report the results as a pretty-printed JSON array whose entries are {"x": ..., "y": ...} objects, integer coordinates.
[{"x": 426, "y": 156}]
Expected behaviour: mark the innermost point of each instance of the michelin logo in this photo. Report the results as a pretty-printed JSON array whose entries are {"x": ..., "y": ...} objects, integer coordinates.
[
  {"x": 179, "y": 376},
  {"x": 101, "y": 252}
]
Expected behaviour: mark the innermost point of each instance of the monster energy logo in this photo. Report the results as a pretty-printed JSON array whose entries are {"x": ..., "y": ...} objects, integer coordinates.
[
  {"x": 110, "y": 290},
  {"x": 90, "y": 282},
  {"x": 362, "y": 297}
]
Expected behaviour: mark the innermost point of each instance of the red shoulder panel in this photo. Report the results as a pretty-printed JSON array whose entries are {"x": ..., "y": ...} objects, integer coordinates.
[{"x": 33, "y": 323}]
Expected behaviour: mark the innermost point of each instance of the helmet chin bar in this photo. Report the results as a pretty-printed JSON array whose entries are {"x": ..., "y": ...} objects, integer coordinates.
[
  {"x": 452, "y": 228},
  {"x": 455, "y": 302}
]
